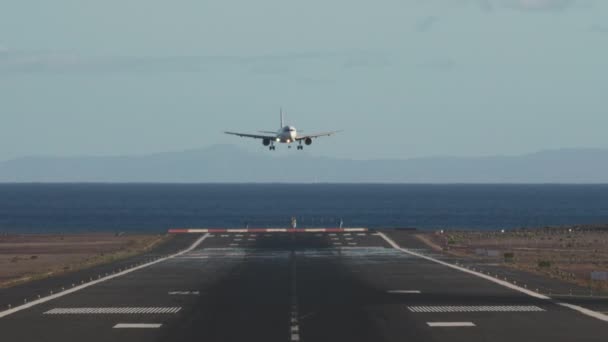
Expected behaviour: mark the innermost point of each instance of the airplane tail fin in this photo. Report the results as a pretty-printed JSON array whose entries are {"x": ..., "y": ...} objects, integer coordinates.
[{"x": 281, "y": 110}]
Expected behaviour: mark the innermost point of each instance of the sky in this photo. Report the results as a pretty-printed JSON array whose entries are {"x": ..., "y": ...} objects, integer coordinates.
[{"x": 402, "y": 78}]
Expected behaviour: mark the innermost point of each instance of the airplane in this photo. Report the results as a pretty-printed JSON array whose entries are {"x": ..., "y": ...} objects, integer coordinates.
[{"x": 286, "y": 135}]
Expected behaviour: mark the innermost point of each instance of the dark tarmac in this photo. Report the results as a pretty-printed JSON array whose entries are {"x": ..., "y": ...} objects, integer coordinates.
[{"x": 297, "y": 287}]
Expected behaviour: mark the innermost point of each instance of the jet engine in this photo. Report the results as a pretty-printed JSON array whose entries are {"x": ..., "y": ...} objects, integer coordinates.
[
  {"x": 266, "y": 142},
  {"x": 308, "y": 141}
]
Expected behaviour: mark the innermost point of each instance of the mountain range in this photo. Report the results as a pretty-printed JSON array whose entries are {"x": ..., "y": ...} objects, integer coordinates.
[{"x": 227, "y": 163}]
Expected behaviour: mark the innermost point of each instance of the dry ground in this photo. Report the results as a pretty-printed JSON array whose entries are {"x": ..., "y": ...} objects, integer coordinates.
[
  {"x": 569, "y": 254},
  {"x": 33, "y": 256}
]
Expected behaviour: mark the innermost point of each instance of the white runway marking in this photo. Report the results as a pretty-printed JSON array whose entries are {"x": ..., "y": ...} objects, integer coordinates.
[
  {"x": 184, "y": 293},
  {"x": 580, "y": 309},
  {"x": 475, "y": 308},
  {"x": 450, "y": 324},
  {"x": 137, "y": 326},
  {"x": 194, "y": 257},
  {"x": 234, "y": 244},
  {"x": 100, "y": 280},
  {"x": 106, "y": 311},
  {"x": 403, "y": 292},
  {"x": 586, "y": 311}
]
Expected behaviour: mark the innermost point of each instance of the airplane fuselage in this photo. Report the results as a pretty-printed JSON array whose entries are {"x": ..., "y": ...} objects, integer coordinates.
[{"x": 287, "y": 134}]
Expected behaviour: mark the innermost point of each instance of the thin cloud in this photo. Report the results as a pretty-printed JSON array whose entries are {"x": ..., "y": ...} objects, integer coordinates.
[
  {"x": 538, "y": 5},
  {"x": 426, "y": 24},
  {"x": 599, "y": 28},
  {"x": 58, "y": 62},
  {"x": 439, "y": 64},
  {"x": 520, "y": 5}
]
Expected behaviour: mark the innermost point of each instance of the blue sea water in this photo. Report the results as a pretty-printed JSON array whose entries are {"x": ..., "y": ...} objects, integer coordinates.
[{"x": 157, "y": 207}]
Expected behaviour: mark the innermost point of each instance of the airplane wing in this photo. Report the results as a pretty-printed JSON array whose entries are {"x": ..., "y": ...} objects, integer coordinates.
[
  {"x": 255, "y": 136},
  {"x": 316, "y": 135}
]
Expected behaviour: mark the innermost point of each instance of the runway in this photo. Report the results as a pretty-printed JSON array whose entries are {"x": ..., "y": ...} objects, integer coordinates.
[{"x": 299, "y": 287}]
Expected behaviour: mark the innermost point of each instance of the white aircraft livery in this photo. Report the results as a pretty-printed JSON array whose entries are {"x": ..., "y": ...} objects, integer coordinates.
[{"x": 286, "y": 135}]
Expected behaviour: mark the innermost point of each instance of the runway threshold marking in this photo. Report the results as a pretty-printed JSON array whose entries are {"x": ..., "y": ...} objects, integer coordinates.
[
  {"x": 116, "y": 310},
  {"x": 138, "y": 326},
  {"x": 503, "y": 283},
  {"x": 450, "y": 324},
  {"x": 100, "y": 280}
]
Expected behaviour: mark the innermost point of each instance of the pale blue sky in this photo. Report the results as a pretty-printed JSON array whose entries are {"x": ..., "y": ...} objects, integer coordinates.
[{"x": 403, "y": 78}]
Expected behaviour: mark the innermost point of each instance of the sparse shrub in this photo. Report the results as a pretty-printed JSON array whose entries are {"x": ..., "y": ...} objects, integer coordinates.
[
  {"x": 544, "y": 264},
  {"x": 33, "y": 257},
  {"x": 509, "y": 256}
]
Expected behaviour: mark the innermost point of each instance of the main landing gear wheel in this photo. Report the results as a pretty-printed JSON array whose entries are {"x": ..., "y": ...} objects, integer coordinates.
[
  {"x": 272, "y": 148},
  {"x": 300, "y": 147}
]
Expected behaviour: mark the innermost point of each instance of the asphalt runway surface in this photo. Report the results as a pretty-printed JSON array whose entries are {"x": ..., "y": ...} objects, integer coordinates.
[{"x": 298, "y": 287}]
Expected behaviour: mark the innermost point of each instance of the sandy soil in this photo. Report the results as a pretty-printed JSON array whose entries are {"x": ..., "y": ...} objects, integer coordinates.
[
  {"x": 569, "y": 254},
  {"x": 29, "y": 257}
]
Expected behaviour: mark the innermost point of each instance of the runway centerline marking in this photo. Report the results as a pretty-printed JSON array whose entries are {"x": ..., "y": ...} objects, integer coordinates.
[
  {"x": 138, "y": 326},
  {"x": 403, "y": 291},
  {"x": 503, "y": 283},
  {"x": 295, "y": 316},
  {"x": 450, "y": 324},
  {"x": 100, "y": 280}
]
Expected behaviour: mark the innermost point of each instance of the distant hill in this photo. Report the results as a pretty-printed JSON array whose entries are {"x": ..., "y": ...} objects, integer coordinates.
[{"x": 227, "y": 163}]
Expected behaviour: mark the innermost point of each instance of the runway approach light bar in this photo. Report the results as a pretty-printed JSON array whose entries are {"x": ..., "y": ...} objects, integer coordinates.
[{"x": 265, "y": 230}]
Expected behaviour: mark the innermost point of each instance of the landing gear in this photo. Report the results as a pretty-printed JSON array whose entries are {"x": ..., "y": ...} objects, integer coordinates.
[
  {"x": 300, "y": 147},
  {"x": 272, "y": 147}
]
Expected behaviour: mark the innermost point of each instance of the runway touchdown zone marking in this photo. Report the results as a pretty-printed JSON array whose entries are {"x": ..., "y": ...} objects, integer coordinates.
[
  {"x": 478, "y": 308},
  {"x": 184, "y": 293},
  {"x": 106, "y": 311},
  {"x": 450, "y": 324},
  {"x": 137, "y": 326}
]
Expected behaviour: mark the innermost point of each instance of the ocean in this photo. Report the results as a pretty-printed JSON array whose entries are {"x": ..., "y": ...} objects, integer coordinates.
[{"x": 54, "y": 208}]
